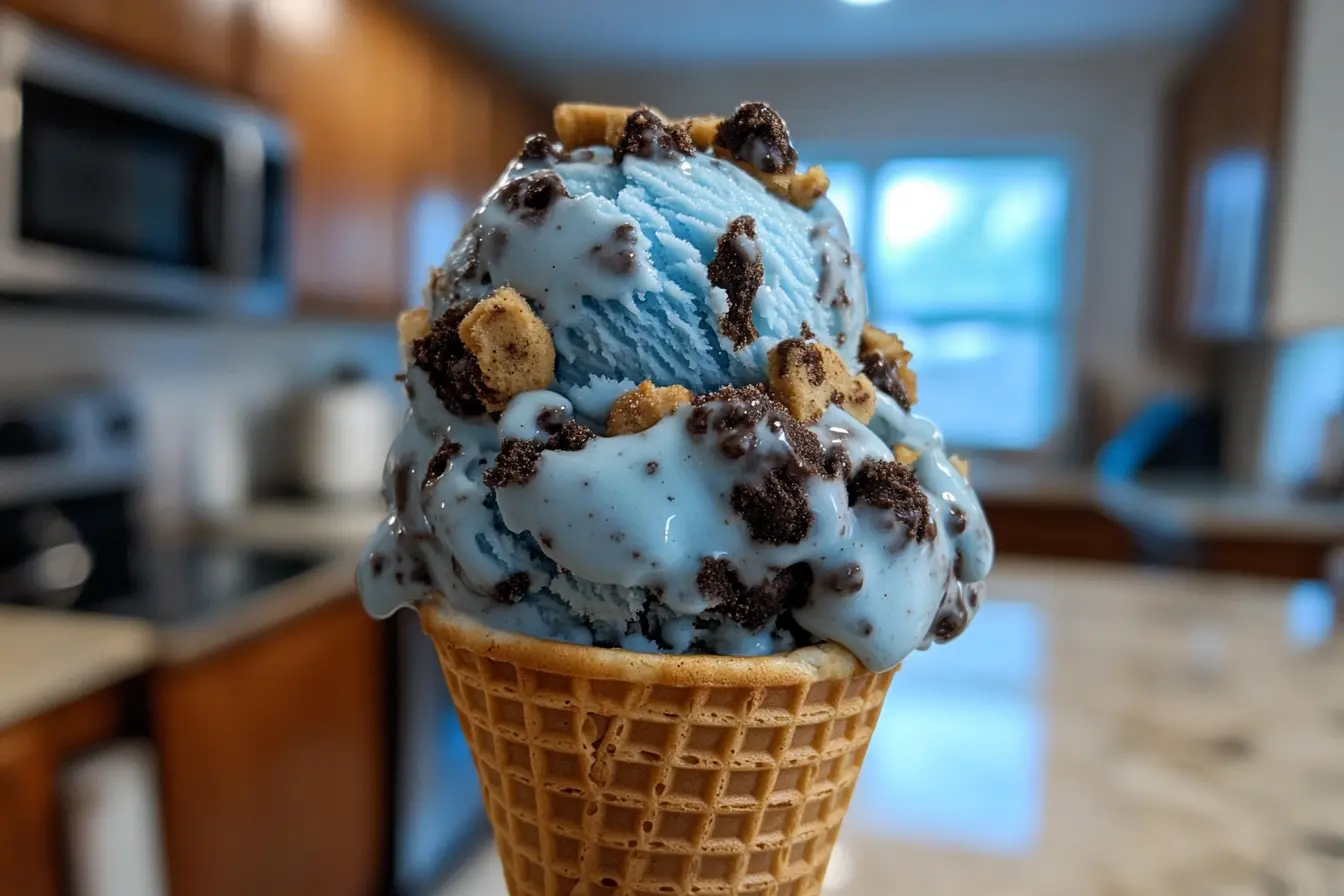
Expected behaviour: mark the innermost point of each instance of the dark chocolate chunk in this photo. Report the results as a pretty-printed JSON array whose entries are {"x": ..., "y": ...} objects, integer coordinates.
[
  {"x": 848, "y": 579},
  {"x": 794, "y": 352},
  {"x": 399, "y": 377},
  {"x": 885, "y": 378},
  {"x": 377, "y": 563},
  {"x": 440, "y": 462},
  {"x": 512, "y": 589},
  {"x": 647, "y": 137},
  {"x": 755, "y": 134},
  {"x": 778, "y": 510},
  {"x": 530, "y": 197},
  {"x": 617, "y": 254},
  {"x": 539, "y": 148},
  {"x": 571, "y": 436},
  {"x": 516, "y": 463},
  {"x": 420, "y": 573},
  {"x": 888, "y": 485},
  {"x": 837, "y": 463},
  {"x": 451, "y": 369},
  {"x": 651, "y": 467},
  {"x": 752, "y": 607},
  {"x": 956, "y": 520},
  {"x": 737, "y": 269},
  {"x": 550, "y": 419},
  {"x": 697, "y": 424}
]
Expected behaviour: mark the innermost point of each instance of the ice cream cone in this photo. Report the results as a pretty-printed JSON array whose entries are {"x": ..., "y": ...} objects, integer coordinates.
[{"x": 607, "y": 771}]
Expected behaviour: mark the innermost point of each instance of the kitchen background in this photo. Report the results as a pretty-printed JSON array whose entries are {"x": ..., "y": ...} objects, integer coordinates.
[{"x": 1109, "y": 231}]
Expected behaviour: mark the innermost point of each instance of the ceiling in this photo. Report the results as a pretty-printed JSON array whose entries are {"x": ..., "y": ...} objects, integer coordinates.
[{"x": 549, "y": 36}]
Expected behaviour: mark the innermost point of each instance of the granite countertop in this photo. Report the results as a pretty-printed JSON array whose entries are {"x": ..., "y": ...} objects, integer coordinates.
[
  {"x": 1165, "y": 504},
  {"x": 49, "y": 658},
  {"x": 1106, "y": 731}
]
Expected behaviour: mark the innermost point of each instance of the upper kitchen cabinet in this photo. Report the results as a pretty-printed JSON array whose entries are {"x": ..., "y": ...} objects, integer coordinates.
[
  {"x": 196, "y": 39},
  {"x": 1253, "y": 215},
  {"x": 1225, "y": 138}
]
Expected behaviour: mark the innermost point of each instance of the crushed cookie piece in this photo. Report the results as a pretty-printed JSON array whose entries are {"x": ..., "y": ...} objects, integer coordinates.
[
  {"x": 752, "y": 607},
  {"x": 756, "y": 135},
  {"x": 645, "y": 136},
  {"x": 451, "y": 369},
  {"x": 412, "y": 325},
  {"x": 801, "y": 189},
  {"x": 571, "y": 436},
  {"x": 512, "y": 346},
  {"x": 440, "y": 462},
  {"x": 530, "y": 197},
  {"x": 643, "y": 406},
  {"x": 778, "y": 510},
  {"x": 905, "y": 455},
  {"x": 539, "y": 148},
  {"x": 963, "y": 466},
  {"x": 702, "y": 130},
  {"x": 897, "y": 379},
  {"x": 807, "y": 377},
  {"x": 737, "y": 269},
  {"x": 517, "y": 462},
  {"x": 591, "y": 124},
  {"x": 512, "y": 589},
  {"x": 888, "y": 485}
]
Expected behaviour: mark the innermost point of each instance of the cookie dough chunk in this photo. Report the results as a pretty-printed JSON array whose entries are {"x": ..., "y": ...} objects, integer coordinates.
[
  {"x": 887, "y": 363},
  {"x": 807, "y": 377},
  {"x": 642, "y": 407},
  {"x": 512, "y": 346}
]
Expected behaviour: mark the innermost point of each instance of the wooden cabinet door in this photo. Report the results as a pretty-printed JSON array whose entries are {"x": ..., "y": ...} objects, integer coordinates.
[
  {"x": 28, "y": 862},
  {"x": 273, "y": 758}
]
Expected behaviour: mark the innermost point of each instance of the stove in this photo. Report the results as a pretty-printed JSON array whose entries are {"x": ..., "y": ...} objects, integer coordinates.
[{"x": 71, "y": 534}]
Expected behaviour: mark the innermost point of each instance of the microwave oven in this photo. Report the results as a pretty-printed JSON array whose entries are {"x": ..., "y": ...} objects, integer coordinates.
[{"x": 119, "y": 185}]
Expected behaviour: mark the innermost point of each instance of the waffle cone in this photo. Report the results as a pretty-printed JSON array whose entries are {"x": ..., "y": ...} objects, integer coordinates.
[{"x": 606, "y": 771}]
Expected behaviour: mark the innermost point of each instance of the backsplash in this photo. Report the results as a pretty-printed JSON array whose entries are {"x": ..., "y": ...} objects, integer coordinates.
[{"x": 180, "y": 374}]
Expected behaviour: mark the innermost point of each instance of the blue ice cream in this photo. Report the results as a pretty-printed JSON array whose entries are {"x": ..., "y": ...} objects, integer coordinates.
[{"x": 734, "y": 524}]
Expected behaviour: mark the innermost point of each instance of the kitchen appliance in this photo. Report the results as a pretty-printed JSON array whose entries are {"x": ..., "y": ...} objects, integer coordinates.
[
  {"x": 344, "y": 429},
  {"x": 118, "y": 185},
  {"x": 110, "y": 802},
  {"x": 70, "y": 536}
]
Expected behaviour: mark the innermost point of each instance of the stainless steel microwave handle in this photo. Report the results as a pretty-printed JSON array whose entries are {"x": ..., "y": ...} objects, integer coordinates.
[{"x": 243, "y": 199}]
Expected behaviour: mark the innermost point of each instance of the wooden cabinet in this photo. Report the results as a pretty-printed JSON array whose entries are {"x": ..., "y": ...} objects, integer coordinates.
[
  {"x": 1224, "y": 143},
  {"x": 27, "y": 815},
  {"x": 273, "y": 761},
  {"x": 196, "y": 39}
]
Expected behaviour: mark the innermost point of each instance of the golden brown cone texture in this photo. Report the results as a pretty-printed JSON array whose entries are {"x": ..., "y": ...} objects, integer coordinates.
[{"x": 610, "y": 772}]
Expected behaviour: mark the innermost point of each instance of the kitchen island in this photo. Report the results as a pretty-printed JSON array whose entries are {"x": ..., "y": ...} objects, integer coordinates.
[{"x": 1104, "y": 730}]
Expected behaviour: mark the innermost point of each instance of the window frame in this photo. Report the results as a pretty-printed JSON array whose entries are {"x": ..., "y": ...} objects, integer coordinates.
[{"x": 871, "y": 156}]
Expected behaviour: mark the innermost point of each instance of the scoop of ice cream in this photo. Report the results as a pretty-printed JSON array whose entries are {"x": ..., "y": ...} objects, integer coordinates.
[{"x": 712, "y": 462}]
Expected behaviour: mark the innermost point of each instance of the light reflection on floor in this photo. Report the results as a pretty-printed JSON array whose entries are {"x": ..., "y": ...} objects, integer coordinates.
[{"x": 958, "y": 758}]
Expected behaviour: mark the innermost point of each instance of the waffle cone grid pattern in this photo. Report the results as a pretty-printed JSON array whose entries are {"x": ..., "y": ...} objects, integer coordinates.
[{"x": 609, "y": 787}]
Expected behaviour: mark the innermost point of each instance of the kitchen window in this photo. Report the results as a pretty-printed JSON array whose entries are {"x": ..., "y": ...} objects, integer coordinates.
[{"x": 966, "y": 260}]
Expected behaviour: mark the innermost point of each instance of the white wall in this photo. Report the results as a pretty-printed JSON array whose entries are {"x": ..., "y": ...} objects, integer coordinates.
[
  {"x": 179, "y": 373},
  {"x": 1106, "y": 106},
  {"x": 1307, "y": 290}
]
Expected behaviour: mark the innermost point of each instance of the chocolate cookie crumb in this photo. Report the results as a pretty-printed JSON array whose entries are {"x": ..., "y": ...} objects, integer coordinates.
[
  {"x": 377, "y": 562},
  {"x": 438, "y": 464},
  {"x": 778, "y": 510},
  {"x": 571, "y": 436},
  {"x": 516, "y": 464},
  {"x": 888, "y": 485},
  {"x": 805, "y": 331},
  {"x": 755, "y": 134},
  {"x": 539, "y": 148},
  {"x": 531, "y": 197},
  {"x": 647, "y": 137},
  {"x": 420, "y": 573},
  {"x": 451, "y": 369},
  {"x": 752, "y": 607},
  {"x": 952, "y": 616},
  {"x": 885, "y": 378},
  {"x": 734, "y": 412},
  {"x": 512, "y": 589},
  {"x": 837, "y": 463},
  {"x": 651, "y": 467},
  {"x": 956, "y": 520},
  {"x": 617, "y": 254},
  {"x": 550, "y": 419},
  {"x": 848, "y": 579},
  {"x": 737, "y": 269}
]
